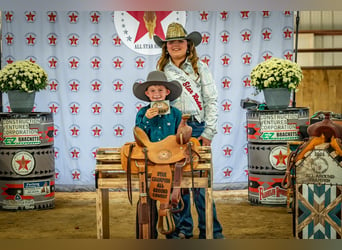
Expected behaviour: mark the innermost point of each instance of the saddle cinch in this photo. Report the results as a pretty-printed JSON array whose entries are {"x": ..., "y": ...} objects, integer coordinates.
[{"x": 176, "y": 153}]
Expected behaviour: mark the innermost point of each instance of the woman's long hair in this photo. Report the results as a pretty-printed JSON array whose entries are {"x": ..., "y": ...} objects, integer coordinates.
[{"x": 191, "y": 55}]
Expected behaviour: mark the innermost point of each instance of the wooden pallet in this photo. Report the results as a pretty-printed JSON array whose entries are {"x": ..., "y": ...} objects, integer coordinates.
[{"x": 110, "y": 175}]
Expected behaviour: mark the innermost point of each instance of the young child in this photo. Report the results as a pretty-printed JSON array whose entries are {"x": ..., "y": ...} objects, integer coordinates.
[
  {"x": 157, "y": 119},
  {"x": 157, "y": 123}
]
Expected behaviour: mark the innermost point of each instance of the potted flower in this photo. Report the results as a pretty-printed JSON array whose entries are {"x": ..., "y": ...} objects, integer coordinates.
[
  {"x": 22, "y": 78},
  {"x": 276, "y": 75}
]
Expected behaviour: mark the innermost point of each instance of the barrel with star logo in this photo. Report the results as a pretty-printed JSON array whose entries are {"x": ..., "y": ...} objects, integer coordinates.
[
  {"x": 27, "y": 161},
  {"x": 268, "y": 132}
]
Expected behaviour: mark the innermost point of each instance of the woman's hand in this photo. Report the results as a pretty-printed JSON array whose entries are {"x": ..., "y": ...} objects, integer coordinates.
[
  {"x": 151, "y": 112},
  {"x": 205, "y": 141}
]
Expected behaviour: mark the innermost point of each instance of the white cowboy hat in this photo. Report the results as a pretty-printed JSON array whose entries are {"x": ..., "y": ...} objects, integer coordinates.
[{"x": 157, "y": 78}]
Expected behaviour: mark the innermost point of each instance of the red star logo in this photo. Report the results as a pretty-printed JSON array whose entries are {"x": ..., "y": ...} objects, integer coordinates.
[
  {"x": 244, "y": 14},
  {"x": 30, "y": 39},
  {"x": 94, "y": 154},
  {"x": 288, "y": 56},
  {"x": 96, "y": 109},
  {"x": 142, "y": 30},
  {"x": 280, "y": 158},
  {"x": 96, "y": 132},
  {"x": 74, "y": 86},
  {"x": 227, "y": 151},
  {"x": 138, "y": 107},
  {"x": 226, "y": 83},
  {"x": 75, "y": 153},
  {"x": 225, "y": 37},
  {"x": 95, "y": 63},
  {"x": 95, "y": 40},
  {"x": 267, "y": 56},
  {"x": 247, "y": 59},
  {"x": 74, "y": 108},
  {"x": 32, "y": 60},
  {"x": 73, "y": 40},
  {"x": 23, "y": 163},
  {"x": 8, "y": 16},
  {"x": 225, "y": 60},
  {"x": 266, "y": 35},
  {"x": 52, "y": 17},
  {"x": 118, "y": 131},
  {"x": 246, "y": 36},
  {"x": 117, "y": 40},
  {"x": 9, "y": 60},
  {"x": 204, "y": 16},
  {"x": 73, "y": 63},
  {"x": 118, "y": 86},
  {"x": 266, "y": 13},
  {"x": 227, "y": 129},
  {"x": 227, "y": 172},
  {"x": 287, "y": 33},
  {"x": 9, "y": 39},
  {"x": 30, "y": 17},
  {"x": 53, "y": 108},
  {"x": 52, "y": 40},
  {"x": 224, "y": 15},
  {"x": 74, "y": 131},
  {"x": 96, "y": 86},
  {"x": 246, "y": 150},
  {"x": 205, "y": 38},
  {"x": 287, "y": 13},
  {"x": 140, "y": 63},
  {"x": 226, "y": 106},
  {"x": 73, "y": 18},
  {"x": 56, "y": 175},
  {"x": 95, "y": 18},
  {"x": 206, "y": 60},
  {"x": 76, "y": 175},
  {"x": 117, "y": 63},
  {"x": 53, "y": 63},
  {"x": 246, "y": 172},
  {"x": 53, "y": 85},
  {"x": 118, "y": 108},
  {"x": 247, "y": 82}
]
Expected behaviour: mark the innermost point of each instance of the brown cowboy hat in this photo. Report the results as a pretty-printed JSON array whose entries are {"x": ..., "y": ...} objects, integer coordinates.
[
  {"x": 157, "y": 78},
  {"x": 176, "y": 31}
]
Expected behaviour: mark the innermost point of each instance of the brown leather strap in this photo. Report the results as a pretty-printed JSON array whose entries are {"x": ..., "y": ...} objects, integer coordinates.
[
  {"x": 176, "y": 192},
  {"x": 128, "y": 176}
]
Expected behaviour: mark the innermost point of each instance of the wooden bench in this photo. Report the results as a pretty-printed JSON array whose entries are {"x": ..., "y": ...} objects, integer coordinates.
[{"x": 110, "y": 175}]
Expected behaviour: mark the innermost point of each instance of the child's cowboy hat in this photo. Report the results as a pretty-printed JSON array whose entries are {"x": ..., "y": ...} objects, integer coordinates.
[
  {"x": 176, "y": 31},
  {"x": 157, "y": 78}
]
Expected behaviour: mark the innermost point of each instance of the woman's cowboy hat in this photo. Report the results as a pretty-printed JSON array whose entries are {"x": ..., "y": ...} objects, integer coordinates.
[
  {"x": 157, "y": 78},
  {"x": 176, "y": 31}
]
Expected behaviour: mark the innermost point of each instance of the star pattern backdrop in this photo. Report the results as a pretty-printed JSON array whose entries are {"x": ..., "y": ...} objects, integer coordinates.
[{"x": 94, "y": 57}]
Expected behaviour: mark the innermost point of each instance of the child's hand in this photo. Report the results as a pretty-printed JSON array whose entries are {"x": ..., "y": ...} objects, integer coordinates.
[{"x": 151, "y": 112}]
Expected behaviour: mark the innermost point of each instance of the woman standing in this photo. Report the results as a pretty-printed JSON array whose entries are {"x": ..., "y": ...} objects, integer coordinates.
[{"x": 180, "y": 62}]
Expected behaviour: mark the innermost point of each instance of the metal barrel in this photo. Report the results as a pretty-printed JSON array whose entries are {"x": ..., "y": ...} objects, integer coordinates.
[
  {"x": 26, "y": 129},
  {"x": 27, "y": 194},
  {"x": 266, "y": 190},
  {"x": 276, "y": 125}
]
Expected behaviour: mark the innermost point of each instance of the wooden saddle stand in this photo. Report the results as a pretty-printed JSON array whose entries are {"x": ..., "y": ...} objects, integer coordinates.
[{"x": 174, "y": 154}]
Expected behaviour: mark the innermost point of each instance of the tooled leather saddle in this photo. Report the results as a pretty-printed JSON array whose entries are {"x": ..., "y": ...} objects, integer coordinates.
[{"x": 174, "y": 154}]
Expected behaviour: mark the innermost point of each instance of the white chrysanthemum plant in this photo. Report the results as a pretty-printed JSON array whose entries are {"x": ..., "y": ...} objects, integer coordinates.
[
  {"x": 276, "y": 73},
  {"x": 24, "y": 76}
]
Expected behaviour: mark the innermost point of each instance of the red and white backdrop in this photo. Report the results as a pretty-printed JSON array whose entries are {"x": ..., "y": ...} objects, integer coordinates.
[{"x": 94, "y": 57}]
